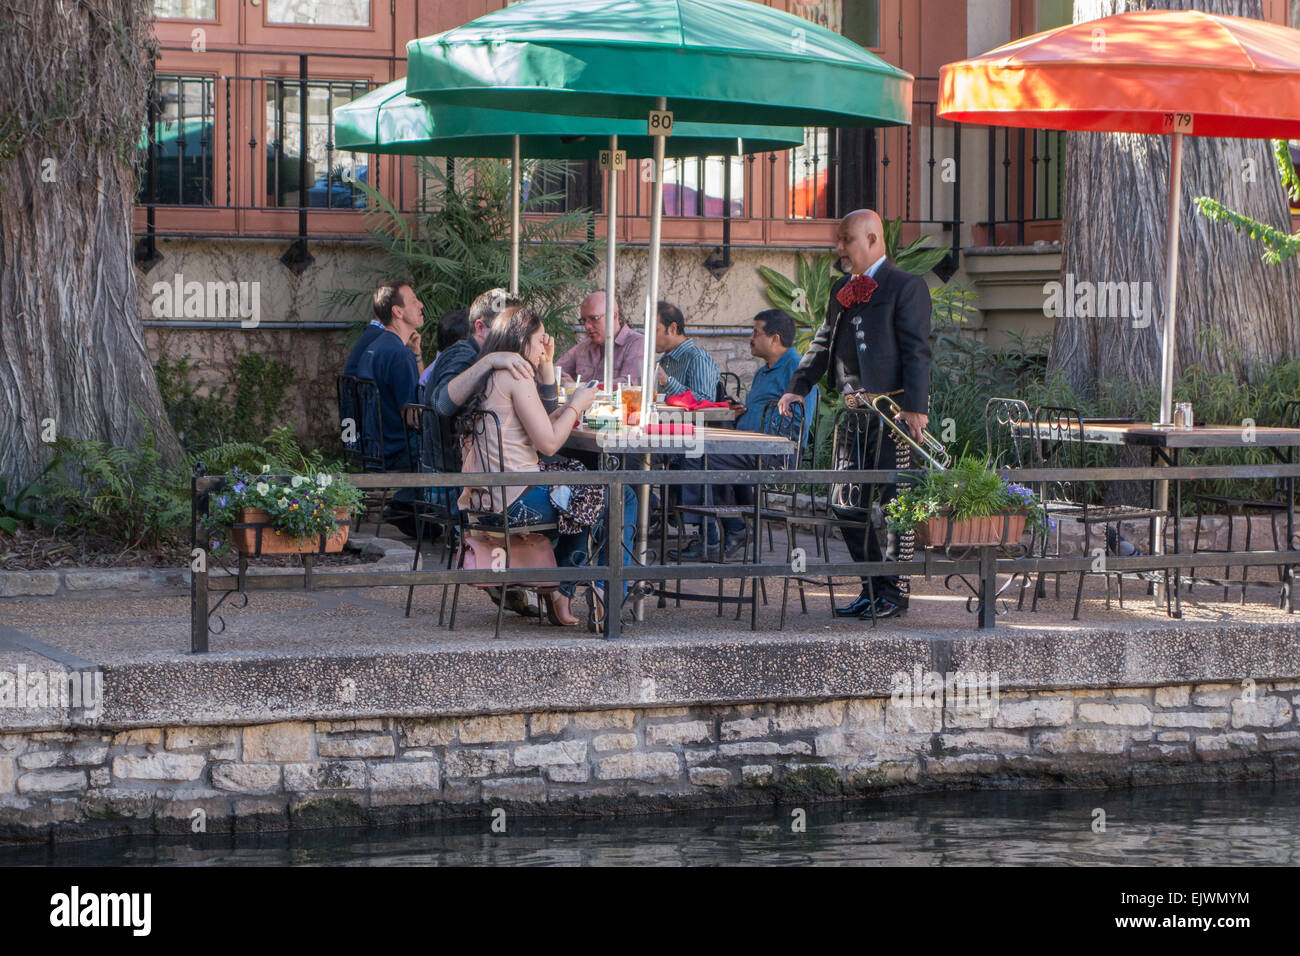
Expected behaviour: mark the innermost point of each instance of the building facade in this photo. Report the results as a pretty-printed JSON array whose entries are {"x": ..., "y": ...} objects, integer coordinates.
[{"x": 242, "y": 182}]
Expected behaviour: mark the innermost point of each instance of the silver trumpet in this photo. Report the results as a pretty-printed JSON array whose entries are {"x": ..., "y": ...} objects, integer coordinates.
[{"x": 929, "y": 448}]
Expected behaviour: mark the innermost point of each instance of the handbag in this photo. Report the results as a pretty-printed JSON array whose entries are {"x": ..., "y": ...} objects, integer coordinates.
[{"x": 484, "y": 551}]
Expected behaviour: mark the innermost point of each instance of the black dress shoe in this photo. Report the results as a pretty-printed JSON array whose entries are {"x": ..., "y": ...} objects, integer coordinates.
[
  {"x": 856, "y": 609},
  {"x": 884, "y": 608}
]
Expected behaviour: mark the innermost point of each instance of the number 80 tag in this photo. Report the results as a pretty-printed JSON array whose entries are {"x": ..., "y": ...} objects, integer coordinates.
[{"x": 660, "y": 123}]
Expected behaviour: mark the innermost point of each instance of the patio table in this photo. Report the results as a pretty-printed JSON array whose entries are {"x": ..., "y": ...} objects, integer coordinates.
[
  {"x": 1167, "y": 444},
  {"x": 635, "y": 443}
]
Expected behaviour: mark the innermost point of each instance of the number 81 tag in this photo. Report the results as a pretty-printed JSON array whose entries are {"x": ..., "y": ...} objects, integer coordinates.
[{"x": 616, "y": 161}]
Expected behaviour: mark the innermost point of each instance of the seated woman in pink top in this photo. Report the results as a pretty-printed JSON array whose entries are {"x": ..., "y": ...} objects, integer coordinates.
[{"x": 527, "y": 431}]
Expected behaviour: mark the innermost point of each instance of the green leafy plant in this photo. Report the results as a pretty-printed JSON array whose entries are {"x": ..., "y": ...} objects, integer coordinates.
[
  {"x": 917, "y": 257},
  {"x": 970, "y": 489},
  {"x": 1278, "y": 245},
  {"x": 23, "y": 506},
  {"x": 458, "y": 244},
  {"x": 261, "y": 386},
  {"x": 299, "y": 505},
  {"x": 127, "y": 495}
]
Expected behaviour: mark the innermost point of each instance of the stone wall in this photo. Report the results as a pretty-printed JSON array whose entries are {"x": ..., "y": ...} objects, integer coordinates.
[{"x": 288, "y": 774}]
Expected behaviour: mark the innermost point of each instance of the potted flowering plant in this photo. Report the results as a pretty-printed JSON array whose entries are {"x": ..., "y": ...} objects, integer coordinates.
[
  {"x": 291, "y": 512},
  {"x": 967, "y": 505}
]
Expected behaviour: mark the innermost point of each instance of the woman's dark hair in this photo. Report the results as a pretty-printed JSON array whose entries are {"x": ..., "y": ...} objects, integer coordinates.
[
  {"x": 452, "y": 327},
  {"x": 512, "y": 336}
]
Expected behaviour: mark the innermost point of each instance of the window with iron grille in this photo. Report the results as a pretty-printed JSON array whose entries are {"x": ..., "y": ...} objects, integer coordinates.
[
  {"x": 332, "y": 175},
  {"x": 181, "y": 140},
  {"x": 697, "y": 186},
  {"x": 574, "y": 184}
]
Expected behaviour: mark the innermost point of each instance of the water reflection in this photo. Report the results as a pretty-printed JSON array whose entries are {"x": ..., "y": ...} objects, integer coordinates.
[{"x": 1254, "y": 824}]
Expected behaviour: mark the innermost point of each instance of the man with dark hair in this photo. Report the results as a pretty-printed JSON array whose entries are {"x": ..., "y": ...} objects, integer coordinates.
[
  {"x": 772, "y": 342},
  {"x": 462, "y": 370},
  {"x": 683, "y": 365},
  {"x": 452, "y": 328},
  {"x": 876, "y": 337}
]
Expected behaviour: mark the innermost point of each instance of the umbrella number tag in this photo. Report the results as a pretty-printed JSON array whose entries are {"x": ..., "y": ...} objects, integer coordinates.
[
  {"x": 660, "y": 123},
  {"x": 1176, "y": 123},
  {"x": 615, "y": 160}
]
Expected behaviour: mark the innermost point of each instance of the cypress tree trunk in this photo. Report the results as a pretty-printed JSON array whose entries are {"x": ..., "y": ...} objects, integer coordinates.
[
  {"x": 1233, "y": 310},
  {"x": 72, "y": 107}
]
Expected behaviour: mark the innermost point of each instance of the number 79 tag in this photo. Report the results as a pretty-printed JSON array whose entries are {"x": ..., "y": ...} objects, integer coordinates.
[{"x": 1176, "y": 123}]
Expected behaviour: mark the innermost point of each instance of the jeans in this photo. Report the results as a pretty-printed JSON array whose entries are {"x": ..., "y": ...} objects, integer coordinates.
[{"x": 534, "y": 506}]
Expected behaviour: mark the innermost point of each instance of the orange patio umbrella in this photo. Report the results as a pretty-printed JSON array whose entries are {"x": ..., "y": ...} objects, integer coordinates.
[{"x": 1181, "y": 73}]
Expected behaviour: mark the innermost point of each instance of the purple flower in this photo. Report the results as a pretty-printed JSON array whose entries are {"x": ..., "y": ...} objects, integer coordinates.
[{"x": 239, "y": 485}]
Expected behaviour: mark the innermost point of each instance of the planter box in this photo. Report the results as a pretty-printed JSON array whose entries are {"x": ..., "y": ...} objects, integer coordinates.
[
  {"x": 999, "y": 529},
  {"x": 245, "y": 539}
]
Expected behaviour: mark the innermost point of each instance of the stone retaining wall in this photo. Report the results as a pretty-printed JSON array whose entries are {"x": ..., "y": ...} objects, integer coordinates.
[{"x": 95, "y": 782}]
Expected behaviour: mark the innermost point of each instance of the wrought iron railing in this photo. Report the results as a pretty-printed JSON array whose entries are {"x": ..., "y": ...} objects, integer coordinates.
[{"x": 977, "y": 568}]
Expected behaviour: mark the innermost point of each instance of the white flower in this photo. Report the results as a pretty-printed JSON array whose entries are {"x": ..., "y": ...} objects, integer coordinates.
[
  {"x": 283, "y": 502},
  {"x": 263, "y": 487},
  {"x": 324, "y": 480},
  {"x": 297, "y": 480},
  {"x": 266, "y": 469}
]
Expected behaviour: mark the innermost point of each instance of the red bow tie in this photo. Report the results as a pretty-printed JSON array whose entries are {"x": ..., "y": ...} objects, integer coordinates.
[{"x": 857, "y": 291}]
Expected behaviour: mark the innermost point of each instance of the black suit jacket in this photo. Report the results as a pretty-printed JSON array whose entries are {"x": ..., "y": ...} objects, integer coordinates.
[{"x": 896, "y": 327}]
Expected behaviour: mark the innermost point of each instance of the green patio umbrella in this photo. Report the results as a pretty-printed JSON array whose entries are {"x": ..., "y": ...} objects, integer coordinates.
[
  {"x": 388, "y": 121},
  {"x": 712, "y": 61}
]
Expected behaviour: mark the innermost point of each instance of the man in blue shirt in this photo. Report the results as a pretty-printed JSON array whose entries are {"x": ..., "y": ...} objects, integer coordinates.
[
  {"x": 772, "y": 342},
  {"x": 368, "y": 336},
  {"x": 393, "y": 362}
]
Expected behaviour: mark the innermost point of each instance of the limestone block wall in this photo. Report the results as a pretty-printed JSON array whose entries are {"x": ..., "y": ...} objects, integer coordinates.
[{"x": 96, "y": 781}]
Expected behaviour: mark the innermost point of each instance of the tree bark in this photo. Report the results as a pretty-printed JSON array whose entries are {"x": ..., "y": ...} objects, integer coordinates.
[
  {"x": 1234, "y": 311},
  {"x": 73, "y": 360}
]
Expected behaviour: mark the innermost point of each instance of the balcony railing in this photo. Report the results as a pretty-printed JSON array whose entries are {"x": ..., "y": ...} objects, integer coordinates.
[{"x": 254, "y": 156}]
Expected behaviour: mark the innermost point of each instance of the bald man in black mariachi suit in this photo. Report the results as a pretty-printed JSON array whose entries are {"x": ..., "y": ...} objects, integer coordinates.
[{"x": 876, "y": 337}]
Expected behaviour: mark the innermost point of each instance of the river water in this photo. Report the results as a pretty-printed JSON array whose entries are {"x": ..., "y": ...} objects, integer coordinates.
[{"x": 1209, "y": 825}]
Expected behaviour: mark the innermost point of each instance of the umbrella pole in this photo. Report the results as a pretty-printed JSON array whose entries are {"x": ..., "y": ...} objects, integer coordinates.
[
  {"x": 1171, "y": 318},
  {"x": 611, "y": 207},
  {"x": 515, "y": 193},
  {"x": 648, "y": 380}
]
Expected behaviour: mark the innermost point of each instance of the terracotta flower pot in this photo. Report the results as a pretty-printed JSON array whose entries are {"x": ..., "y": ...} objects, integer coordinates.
[
  {"x": 277, "y": 542},
  {"x": 998, "y": 529}
]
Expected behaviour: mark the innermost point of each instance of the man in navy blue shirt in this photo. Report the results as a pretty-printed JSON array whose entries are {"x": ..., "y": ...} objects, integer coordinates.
[
  {"x": 368, "y": 336},
  {"x": 772, "y": 341},
  {"x": 393, "y": 362}
]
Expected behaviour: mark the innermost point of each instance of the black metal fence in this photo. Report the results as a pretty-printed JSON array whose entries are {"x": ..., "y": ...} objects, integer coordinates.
[{"x": 977, "y": 568}]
